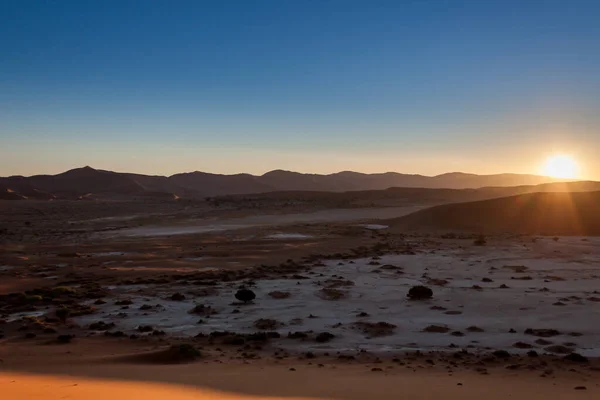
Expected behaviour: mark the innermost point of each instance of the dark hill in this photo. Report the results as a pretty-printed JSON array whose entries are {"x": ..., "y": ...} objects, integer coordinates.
[
  {"x": 574, "y": 213},
  {"x": 104, "y": 184}
]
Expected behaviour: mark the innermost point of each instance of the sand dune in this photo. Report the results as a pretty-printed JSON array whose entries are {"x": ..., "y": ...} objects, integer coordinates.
[
  {"x": 30, "y": 387},
  {"x": 238, "y": 382},
  {"x": 535, "y": 213}
]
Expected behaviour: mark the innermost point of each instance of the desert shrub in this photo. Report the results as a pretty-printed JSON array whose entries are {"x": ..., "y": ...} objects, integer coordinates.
[
  {"x": 375, "y": 329},
  {"x": 331, "y": 294},
  {"x": 64, "y": 338},
  {"x": 201, "y": 309},
  {"x": 178, "y": 297},
  {"x": 145, "y": 328},
  {"x": 279, "y": 294},
  {"x": 62, "y": 314},
  {"x": 62, "y": 291},
  {"x": 501, "y": 354},
  {"x": 420, "y": 293},
  {"x": 183, "y": 352},
  {"x": 576, "y": 357},
  {"x": 475, "y": 329},
  {"x": 34, "y": 298},
  {"x": 480, "y": 241},
  {"x": 266, "y": 324},
  {"x": 297, "y": 335},
  {"x": 324, "y": 337},
  {"x": 436, "y": 329},
  {"x": 101, "y": 326},
  {"x": 245, "y": 295},
  {"x": 542, "y": 332}
]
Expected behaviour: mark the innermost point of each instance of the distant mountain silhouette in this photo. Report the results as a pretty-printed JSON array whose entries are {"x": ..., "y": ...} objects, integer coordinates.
[
  {"x": 564, "y": 213},
  {"x": 202, "y": 183},
  {"x": 88, "y": 181}
]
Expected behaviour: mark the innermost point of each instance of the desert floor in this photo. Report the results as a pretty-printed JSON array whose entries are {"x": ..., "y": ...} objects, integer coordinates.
[{"x": 145, "y": 283}]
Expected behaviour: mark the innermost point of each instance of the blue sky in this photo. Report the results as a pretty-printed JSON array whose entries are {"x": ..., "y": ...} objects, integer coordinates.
[{"x": 314, "y": 86}]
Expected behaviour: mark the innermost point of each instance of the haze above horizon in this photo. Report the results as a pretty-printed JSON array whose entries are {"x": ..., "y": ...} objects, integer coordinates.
[{"x": 419, "y": 87}]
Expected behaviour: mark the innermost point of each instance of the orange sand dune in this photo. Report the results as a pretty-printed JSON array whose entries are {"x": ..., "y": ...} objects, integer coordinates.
[
  {"x": 344, "y": 383},
  {"x": 32, "y": 387}
]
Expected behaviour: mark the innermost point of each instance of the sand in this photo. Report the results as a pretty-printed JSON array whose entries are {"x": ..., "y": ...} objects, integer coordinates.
[
  {"x": 557, "y": 289},
  {"x": 223, "y": 382}
]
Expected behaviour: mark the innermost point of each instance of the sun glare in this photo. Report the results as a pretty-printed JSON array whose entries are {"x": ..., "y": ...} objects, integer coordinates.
[{"x": 561, "y": 166}]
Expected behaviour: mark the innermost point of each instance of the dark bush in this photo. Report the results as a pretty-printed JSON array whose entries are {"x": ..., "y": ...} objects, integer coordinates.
[
  {"x": 501, "y": 354},
  {"x": 324, "y": 337},
  {"x": 245, "y": 295},
  {"x": 184, "y": 352},
  {"x": 480, "y": 241},
  {"x": 101, "y": 326},
  {"x": 62, "y": 314},
  {"x": 576, "y": 357},
  {"x": 64, "y": 339},
  {"x": 177, "y": 297},
  {"x": 266, "y": 324},
  {"x": 420, "y": 293}
]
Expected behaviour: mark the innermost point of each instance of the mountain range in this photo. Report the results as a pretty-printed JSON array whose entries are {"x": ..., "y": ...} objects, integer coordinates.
[{"x": 94, "y": 183}]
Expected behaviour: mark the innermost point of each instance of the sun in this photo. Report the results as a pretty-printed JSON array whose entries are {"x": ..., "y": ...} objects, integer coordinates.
[{"x": 561, "y": 166}]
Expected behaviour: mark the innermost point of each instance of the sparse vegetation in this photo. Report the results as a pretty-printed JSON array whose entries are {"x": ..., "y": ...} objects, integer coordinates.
[
  {"x": 420, "y": 293},
  {"x": 266, "y": 324},
  {"x": 63, "y": 339},
  {"x": 436, "y": 329},
  {"x": 331, "y": 294},
  {"x": 183, "y": 352},
  {"x": 279, "y": 294},
  {"x": 245, "y": 295},
  {"x": 480, "y": 241},
  {"x": 475, "y": 329},
  {"x": 542, "y": 332},
  {"x": 375, "y": 329},
  {"x": 178, "y": 297},
  {"x": 201, "y": 309},
  {"x": 62, "y": 314},
  {"x": 101, "y": 326},
  {"x": 324, "y": 337},
  {"x": 62, "y": 291},
  {"x": 576, "y": 357},
  {"x": 33, "y": 298}
]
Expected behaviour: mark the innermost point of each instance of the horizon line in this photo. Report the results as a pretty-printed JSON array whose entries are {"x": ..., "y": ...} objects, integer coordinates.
[{"x": 303, "y": 173}]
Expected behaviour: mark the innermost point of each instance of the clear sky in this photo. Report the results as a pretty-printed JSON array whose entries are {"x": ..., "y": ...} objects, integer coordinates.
[{"x": 313, "y": 86}]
